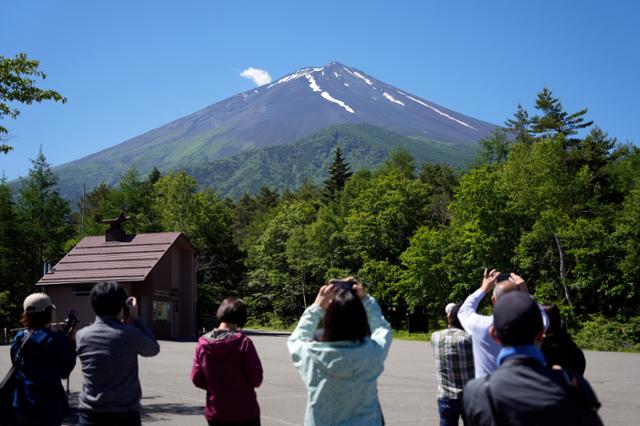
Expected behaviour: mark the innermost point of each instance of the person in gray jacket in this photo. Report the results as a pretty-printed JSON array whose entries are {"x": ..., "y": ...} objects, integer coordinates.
[{"x": 108, "y": 351}]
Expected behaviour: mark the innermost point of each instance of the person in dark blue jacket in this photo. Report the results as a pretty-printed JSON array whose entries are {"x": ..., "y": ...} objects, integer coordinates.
[{"x": 45, "y": 359}]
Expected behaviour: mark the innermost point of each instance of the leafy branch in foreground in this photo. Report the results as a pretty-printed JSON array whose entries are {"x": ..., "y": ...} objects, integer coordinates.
[{"x": 18, "y": 86}]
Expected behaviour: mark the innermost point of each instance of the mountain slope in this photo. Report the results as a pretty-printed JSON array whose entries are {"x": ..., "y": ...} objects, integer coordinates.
[
  {"x": 293, "y": 107},
  {"x": 287, "y": 166}
]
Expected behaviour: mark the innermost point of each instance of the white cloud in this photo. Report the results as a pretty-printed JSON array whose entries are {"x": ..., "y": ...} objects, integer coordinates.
[{"x": 258, "y": 76}]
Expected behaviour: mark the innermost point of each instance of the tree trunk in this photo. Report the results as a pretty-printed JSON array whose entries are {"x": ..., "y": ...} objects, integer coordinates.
[{"x": 562, "y": 271}]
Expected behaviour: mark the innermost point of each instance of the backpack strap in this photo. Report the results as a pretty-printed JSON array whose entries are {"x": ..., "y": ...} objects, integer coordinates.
[{"x": 24, "y": 342}]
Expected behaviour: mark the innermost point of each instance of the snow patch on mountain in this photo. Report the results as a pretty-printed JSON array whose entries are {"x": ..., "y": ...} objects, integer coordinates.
[
  {"x": 362, "y": 77},
  {"x": 312, "y": 83},
  {"x": 392, "y": 99},
  {"x": 444, "y": 114},
  {"x": 293, "y": 76},
  {"x": 337, "y": 101}
]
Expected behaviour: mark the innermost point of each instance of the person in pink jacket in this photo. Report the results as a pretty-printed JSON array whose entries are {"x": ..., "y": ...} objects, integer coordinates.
[{"x": 227, "y": 366}]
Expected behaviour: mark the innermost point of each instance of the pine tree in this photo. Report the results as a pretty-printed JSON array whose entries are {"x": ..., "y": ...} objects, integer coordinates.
[
  {"x": 555, "y": 120},
  {"x": 154, "y": 176},
  {"x": 339, "y": 172},
  {"x": 46, "y": 216},
  {"x": 520, "y": 125}
]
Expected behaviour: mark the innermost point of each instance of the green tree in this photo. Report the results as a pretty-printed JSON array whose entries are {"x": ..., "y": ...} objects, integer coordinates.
[
  {"x": 13, "y": 285},
  {"x": 520, "y": 125},
  {"x": 174, "y": 202},
  {"x": 154, "y": 176},
  {"x": 554, "y": 119},
  {"x": 47, "y": 215},
  {"x": 384, "y": 216},
  {"x": 427, "y": 280},
  {"x": 442, "y": 179},
  {"x": 18, "y": 86},
  {"x": 99, "y": 203},
  {"x": 208, "y": 222},
  {"x": 274, "y": 287},
  {"x": 400, "y": 161},
  {"x": 495, "y": 148},
  {"x": 135, "y": 197},
  {"x": 339, "y": 172},
  {"x": 628, "y": 234}
]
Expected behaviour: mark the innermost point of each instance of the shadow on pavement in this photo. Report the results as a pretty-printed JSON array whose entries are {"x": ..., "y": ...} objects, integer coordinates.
[
  {"x": 150, "y": 412},
  {"x": 154, "y": 412}
]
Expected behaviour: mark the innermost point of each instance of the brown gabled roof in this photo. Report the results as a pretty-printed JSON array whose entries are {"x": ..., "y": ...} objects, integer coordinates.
[{"x": 93, "y": 259}]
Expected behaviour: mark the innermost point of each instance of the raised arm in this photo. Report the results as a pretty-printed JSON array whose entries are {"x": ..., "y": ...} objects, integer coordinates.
[
  {"x": 143, "y": 339},
  {"x": 309, "y": 321},
  {"x": 304, "y": 330},
  {"x": 381, "y": 332},
  {"x": 468, "y": 315}
]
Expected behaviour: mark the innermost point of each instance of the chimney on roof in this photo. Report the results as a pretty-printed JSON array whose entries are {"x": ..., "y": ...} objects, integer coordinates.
[{"x": 115, "y": 231}]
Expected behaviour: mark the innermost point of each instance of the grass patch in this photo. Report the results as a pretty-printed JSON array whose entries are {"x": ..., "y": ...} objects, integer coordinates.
[
  {"x": 405, "y": 335},
  {"x": 397, "y": 334},
  {"x": 256, "y": 326}
]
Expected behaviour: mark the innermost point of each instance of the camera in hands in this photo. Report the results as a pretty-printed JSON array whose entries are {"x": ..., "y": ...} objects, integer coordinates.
[{"x": 342, "y": 284}]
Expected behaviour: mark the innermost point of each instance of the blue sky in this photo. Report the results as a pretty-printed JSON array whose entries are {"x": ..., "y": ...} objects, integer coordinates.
[{"x": 129, "y": 66}]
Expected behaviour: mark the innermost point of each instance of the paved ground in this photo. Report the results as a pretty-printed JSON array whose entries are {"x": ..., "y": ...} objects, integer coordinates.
[{"x": 407, "y": 387}]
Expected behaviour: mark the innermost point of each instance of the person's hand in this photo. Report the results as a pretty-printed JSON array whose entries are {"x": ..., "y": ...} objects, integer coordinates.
[
  {"x": 519, "y": 281},
  {"x": 326, "y": 295},
  {"x": 489, "y": 280},
  {"x": 132, "y": 305},
  {"x": 357, "y": 287}
]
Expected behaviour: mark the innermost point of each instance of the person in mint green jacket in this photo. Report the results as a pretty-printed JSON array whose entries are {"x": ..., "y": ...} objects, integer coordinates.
[{"x": 341, "y": 367}]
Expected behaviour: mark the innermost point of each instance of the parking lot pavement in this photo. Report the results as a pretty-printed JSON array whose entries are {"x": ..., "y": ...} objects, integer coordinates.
[{"x": 407, "y": 386}]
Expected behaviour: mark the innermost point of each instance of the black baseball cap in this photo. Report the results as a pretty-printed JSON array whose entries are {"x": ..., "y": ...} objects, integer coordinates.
[{"x": 517, "y": 319}]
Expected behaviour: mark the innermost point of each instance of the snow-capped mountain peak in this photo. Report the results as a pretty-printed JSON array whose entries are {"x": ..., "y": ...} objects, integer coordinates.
[{"x": 292, "y": 107}]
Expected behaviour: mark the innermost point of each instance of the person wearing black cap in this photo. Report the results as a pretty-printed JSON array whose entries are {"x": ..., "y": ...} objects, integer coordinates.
[{"x": 524, "y": 390}]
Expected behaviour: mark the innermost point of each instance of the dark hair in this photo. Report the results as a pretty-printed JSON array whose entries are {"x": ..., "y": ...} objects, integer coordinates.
[
  {"x": 107, "y": 298},
  {"x": 345, "y": 319},
  {"x": 555, "y": 322},
  {"x": 37, "y": 319},
  {"x": 455, "y": 321},
  {"x": 232, "y": 311}
]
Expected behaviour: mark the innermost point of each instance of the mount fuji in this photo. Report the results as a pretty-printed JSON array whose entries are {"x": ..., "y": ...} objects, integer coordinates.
[{"x": 288, "y": 111}]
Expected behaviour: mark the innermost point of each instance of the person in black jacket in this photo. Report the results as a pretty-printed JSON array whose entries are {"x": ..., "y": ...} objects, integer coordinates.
[
  {"x": 558, "y": 347},
  {"x": 524, "y": 390}
]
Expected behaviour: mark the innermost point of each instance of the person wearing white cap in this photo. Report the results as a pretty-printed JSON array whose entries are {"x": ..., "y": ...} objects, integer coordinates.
[
  {"x": 453, "y": 356},
  {"x": 42, "y": 358}
]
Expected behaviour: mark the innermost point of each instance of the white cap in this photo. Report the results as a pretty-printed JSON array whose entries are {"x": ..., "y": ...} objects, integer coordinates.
[
  {"x": 449, "y": 307},
  {"x": 37, "y": 302}
]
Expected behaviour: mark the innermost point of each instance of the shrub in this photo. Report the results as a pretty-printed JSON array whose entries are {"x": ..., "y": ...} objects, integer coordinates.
[{"x": 604, "y": 334}]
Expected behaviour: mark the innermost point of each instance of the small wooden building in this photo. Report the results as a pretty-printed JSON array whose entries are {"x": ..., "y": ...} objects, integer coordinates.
[{"x": 158, "y": 269}]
